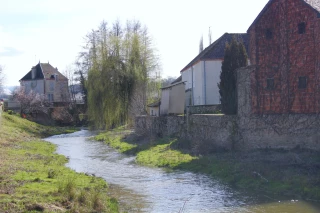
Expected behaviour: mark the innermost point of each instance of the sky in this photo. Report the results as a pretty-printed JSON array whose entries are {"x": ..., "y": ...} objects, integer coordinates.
[{"x": 53, "y": 30}]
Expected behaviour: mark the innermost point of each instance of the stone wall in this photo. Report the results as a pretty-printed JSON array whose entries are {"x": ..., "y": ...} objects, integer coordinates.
[
  {"x": 278, "y": 131},
  {"x": 242, "y": 132},
  {"x": 235, "y": 133},
  {"x": 214, "y": 129}
]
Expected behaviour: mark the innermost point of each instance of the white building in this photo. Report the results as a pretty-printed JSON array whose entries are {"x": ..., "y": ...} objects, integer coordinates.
[
  {"x": 154, "y": 108},
  {"x": 202, "y": 74},
  {"x": 48, "y": 81},
  {"x": 173, "y": 99}
]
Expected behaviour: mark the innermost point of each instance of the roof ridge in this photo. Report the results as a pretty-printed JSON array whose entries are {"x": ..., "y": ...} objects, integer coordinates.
[
  {"x": 203, "y": 52},
  {"x": 41, "y": 69},
  {"x": 214, "y": 50}
]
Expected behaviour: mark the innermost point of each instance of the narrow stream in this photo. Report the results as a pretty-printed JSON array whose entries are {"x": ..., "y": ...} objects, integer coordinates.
[{"x": 144, "y": 189}]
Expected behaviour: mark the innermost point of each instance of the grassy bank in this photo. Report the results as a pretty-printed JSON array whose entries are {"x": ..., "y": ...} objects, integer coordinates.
[
  {"x": 33, "y": 178},
  {"x": 275, "y": 173}
]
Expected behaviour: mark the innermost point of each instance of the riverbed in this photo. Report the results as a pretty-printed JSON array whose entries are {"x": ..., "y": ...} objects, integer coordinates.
[{"x": 145, "y": 189}]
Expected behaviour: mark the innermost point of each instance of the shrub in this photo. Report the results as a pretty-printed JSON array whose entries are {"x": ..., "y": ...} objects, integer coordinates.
[{"x": 61, "y": 115}]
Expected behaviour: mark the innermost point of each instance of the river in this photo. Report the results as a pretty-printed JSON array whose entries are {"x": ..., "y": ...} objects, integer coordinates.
[{"x": 145, "y": 189}]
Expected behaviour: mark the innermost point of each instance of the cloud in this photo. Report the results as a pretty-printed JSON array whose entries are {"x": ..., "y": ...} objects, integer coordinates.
[{"x": 9, "y": 52}]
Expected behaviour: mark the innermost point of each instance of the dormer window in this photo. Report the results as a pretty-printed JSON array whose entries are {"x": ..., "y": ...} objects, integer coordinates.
[
  {"x": 268, "y": 33},
  {"x": 52, "y": 76},
  {"x": 302, "y": 28}
]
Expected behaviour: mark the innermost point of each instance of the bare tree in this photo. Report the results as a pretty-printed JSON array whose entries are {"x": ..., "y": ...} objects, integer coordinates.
[
  {"x": 32, "y": 103},
  {"x": 167, "y": 81},
  {"x": 70, "y": 74}
]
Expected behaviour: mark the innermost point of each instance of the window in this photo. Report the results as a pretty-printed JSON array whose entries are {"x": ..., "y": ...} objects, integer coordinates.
[
  {"x": 270, "y": 83},
  {"x": 268, "y": 33},
  {"x": 302, "y": 82},
  {"x": 50, "y": 97},
  {"x": 51, "y": 86},
  {"x": 302, "y": 28}
]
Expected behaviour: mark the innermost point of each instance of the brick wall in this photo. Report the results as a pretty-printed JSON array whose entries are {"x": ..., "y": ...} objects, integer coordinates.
[{"x": 284, "y": 57}]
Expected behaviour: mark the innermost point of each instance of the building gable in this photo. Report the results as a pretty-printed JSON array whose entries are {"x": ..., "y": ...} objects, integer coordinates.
[
  {"x": 283, "y": 45},
  {"x": 216, "y": 49},
  {"x": 314, "y": 4}
]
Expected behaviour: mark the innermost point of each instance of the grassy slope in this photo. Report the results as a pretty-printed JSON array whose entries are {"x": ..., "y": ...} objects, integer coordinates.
[
  {"x": 269, "y": 172},
  {"x": 33, "y": 178}
]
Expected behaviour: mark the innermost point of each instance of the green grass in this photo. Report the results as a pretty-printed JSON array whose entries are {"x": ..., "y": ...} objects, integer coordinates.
[
  {"x": 33, "y": 178},
  {"x": 162, "y": 155},
  {"x": 155, "y": 153},
  {"x": 115, "y": 140}
]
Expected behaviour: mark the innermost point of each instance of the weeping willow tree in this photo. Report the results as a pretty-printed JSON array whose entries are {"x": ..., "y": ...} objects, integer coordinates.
[{"x": 121, "y": 67}]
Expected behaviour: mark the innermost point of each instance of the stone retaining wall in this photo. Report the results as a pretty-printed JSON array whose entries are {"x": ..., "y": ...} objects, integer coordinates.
[
  {"x": 234, "y": 133},
  {"x": 244, "y": 131}
]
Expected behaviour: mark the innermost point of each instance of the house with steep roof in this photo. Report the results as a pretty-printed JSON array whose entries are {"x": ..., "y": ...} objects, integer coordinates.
[
  {"x": 46, "y": 80},
  {"x": 202, "y": 74},
  {"x": 284, "y": 43}
]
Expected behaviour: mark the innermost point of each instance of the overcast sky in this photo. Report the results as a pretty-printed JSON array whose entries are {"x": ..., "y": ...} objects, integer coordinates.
[{"x": 54, "y": 30}]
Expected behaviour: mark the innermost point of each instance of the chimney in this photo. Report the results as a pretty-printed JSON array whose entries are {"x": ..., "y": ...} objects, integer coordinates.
[{"x": 33, "y": 73}]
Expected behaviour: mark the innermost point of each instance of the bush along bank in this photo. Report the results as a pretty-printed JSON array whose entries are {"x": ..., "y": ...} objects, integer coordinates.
[
  {"x": 278, "y": 174},
  {"x": 33, "y": 178}
]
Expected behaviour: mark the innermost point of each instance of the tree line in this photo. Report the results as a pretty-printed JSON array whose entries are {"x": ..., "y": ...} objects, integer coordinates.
[{"x": 119, "y": 71}]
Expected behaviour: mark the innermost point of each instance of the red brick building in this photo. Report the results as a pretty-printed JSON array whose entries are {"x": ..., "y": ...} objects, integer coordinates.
[{"x": 284, "y": 44}]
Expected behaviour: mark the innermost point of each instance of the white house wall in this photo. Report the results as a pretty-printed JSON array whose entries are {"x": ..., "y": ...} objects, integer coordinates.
[
  {"x": 59, "y": 90},
  {"x": 198, "y": 96},
  {"x": 36, "y": 85},
  {"x": 213, "y": 70},
  {"x": 205, "y": 92},
  {"x": 154, "y": 111},
  {"x": 187, "y": 77},
  {"x": 177, "y": 99},
  {"x": 164, "y": 107}
]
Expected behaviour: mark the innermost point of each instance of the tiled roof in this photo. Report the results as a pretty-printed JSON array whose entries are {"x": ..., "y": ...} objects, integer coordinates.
[
  {"x": 49, "y": 71},
  {"x": 315, "y": 4},
  {"x": 155, "y": 104},
  {"x": 216, "y": 49},
  {"x": 44, "y": 70},
  {"x": 39, "y": 74},
  {"x": 177, "y": 80}
]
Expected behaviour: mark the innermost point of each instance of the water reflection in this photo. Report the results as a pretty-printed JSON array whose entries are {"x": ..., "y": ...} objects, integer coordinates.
[{"x": 144, "y": 189}]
